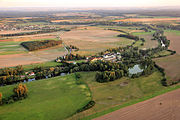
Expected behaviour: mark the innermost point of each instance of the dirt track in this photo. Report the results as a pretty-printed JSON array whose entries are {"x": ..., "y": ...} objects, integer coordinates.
[{"x": 163, "y": 107}]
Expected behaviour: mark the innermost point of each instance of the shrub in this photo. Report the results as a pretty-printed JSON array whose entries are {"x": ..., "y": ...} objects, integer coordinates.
[
  {"x": 20, "y": 91},
  {"x": 0, "y": 98},
  {"x": 89, "y": 105}
]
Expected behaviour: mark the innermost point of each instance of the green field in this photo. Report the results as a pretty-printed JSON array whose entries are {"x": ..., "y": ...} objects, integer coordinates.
[
  {"x": 14, "y": 47},
  {"x": 173, "y": 31},
  {"x": 11, "y": 47},
  {"x": 148, "y": 42},
  {"x": 51, "y": 99},
  {"x": 44, "y": 64},
  {"x": 162, "y": 53},
  {"x": 108, "y": 95}
]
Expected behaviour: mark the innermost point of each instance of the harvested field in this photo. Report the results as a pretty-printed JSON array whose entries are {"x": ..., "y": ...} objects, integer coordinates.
[
  {"x": 171, "y": 64},
  {"x": 15, "y": 31},
  {"x": 28, "y": 38},
  {"x": 148, "y": 42},
  {"x": 94, "y": 40},
  {"x": 174, "y": 37},
  {"x": 31, "y": 57},
  {"x": 147, "y": 19},
  {"x": 163, "y": 107}
]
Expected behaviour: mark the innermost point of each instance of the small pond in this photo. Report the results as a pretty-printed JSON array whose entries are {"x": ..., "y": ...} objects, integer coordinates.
[
  {"x": 136, "y": 69},
  {"x": 33, "y": 79}
]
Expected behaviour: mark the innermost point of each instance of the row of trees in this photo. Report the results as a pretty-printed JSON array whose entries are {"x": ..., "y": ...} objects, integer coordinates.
[
  {"x": 36, "y": 45},
  {"x": 107, "y": 76},
  {"x": 72, "y": 57},
  {"x": 11, "y": 75},
  {"x": 129, "y": 36},
  {"x": 12, "y": 71}
]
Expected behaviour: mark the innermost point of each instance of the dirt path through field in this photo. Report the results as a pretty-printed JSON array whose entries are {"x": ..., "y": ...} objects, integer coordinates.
[{"x": 163, "y": 107}]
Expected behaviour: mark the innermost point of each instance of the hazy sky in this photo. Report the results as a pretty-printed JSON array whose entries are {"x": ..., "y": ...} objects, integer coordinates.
[{"x": 88, "y": 3}]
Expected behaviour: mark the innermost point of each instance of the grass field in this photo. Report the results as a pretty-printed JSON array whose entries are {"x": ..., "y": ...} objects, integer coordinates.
[
  {"x": 52, "y": 99},
  {"x": 162, "y": 53},
  {"x": 107, "y": 95},
  {"x": 44, "y": 64},
  {"x": 14, "y": 47},
  {"x": 148, "y": 42}
]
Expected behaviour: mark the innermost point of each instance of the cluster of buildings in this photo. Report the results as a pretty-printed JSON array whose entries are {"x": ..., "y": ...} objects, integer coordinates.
[
  {"x": 113, "y": 57},
  {"x": 4, "y": 27}
]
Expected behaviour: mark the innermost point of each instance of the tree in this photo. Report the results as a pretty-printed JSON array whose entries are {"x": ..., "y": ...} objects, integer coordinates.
[{"x": 21, "y": 91}]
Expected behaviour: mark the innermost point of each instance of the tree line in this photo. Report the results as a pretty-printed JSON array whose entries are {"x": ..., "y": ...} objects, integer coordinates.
[
  {"x": 71, "y": 57},
  {"x": 36, "y": 45}
]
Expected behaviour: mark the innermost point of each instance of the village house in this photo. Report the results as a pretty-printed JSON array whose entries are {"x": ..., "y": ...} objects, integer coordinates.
[
  {"x": 163, "y": 45},
  {"x": 95, "y": 59},
  {"x": 31, "y": 74}
]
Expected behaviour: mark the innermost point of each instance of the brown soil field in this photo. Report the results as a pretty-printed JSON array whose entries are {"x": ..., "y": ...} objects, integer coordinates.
[
  {"x": 28, "y": 38},
  {"x": 171, "y": 64},
  {"x": 92, "y": 41},
  {"x": 149, "y": 43},
  {"x": 174, "y": 41},
  {"x": 31, "y": 57},
  {"x": 163, "y": 107},
  {"x": 147, "y": 19},
  {"x": 15, "y": 31}
]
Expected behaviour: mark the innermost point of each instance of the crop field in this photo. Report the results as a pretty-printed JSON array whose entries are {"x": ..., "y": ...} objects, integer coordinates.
[
  {"x": 159, "y": 108},
  {"x": 148, "y": 19},
  {"x": 54, "y": 98},
  {"x": 94, "y": 40},
  {"x": 15, "y": 31},
  {"x": 171, "y": 64},
  {"x": 121, "y": 91},
  {"x": 174, "y": 37},
  {"x": 31, "y": 57},
  {"x": 148, "y": 42},
  {"x": 10, "y": 49}
]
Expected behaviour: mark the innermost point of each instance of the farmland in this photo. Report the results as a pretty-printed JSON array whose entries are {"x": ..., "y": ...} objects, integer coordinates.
[
  {"x": 171, "y": 64},
  {"x": 148, "y": 20},
  {"x": 94, "y": 40},
  {"x": 47, "y": 100},
  {"x": 133, "y": 90},
  {"x": 166, "y": 105},
  {"x": 92, "y": 63}
]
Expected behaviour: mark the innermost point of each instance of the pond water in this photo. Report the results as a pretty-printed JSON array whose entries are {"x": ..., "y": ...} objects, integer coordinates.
[
  {"x": 49, "y": 76},
  {"x": 136, "y": 69}
]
